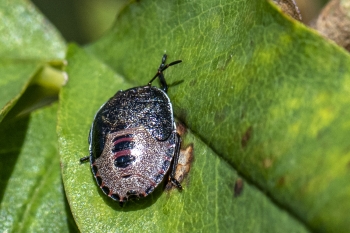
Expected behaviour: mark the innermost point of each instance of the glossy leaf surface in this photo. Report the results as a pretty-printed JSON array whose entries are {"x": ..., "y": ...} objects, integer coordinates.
[
  {"x": 27, "y": 42},
  {"x": 265, "y": 93},
  {"x": 208, "y": 202},
  {"x": 32, "y": 196}
]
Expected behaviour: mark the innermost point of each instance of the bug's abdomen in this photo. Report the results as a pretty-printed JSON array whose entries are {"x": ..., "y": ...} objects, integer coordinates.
[
  {"x": 132, "y": 163},
  {"x": 122, "y": 148}
]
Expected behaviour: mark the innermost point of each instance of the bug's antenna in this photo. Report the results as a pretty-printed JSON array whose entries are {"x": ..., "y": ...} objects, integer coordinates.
[{"x": 163, "y": 67}]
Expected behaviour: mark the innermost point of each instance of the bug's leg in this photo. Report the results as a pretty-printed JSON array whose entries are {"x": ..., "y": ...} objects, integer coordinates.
[
  {"x": 163, "y": 84},
  {"x": 84, "y": 159},
  {"x": 163, "y": 62},
  {"x": 159, "y": 73},
  {"x": 175, "y": 162}
]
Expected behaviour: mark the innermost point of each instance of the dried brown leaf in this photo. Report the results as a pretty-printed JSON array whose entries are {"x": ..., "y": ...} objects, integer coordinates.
[
  {"x": 289, "y": 7},
  {"x": 334, "y": 22}
]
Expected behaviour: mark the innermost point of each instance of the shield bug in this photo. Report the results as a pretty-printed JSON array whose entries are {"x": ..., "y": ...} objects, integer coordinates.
[{"x": 133, "y": 141}]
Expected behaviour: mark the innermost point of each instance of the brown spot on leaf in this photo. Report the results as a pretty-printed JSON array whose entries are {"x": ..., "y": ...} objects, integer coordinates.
[
  {"x": 238, "y": 187},
  {"x": 181, "y": 128},
  {"x": 246, "y": 136},
  {"x": 183, "y": 167},
  {"x": 281, "y": 181},
  {"x": 193, "y": 82}
]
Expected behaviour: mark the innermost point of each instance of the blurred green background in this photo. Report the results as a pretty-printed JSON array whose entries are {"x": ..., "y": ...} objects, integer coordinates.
[
  {"x": 81, "y": 21},
  {"x": 84, "y": 21}
]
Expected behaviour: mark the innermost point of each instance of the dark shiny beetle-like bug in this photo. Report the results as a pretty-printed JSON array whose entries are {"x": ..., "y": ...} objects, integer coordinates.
[{"x": 133, "y": 141}]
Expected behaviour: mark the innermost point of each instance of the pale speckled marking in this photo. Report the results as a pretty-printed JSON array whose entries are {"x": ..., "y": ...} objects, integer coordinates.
[{"x": 150, "y": 155}]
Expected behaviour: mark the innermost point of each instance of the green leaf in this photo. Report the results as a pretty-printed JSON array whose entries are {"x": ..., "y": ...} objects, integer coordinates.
[
  {"x": 14, "y": 81},
  {"x": 27, "y": 42},
  {"x": 25, "y": 34},
  {"x": 208, "y": 202},
  {"x": 267, "y": 94},
  {"x": 32, "y": 196}
]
